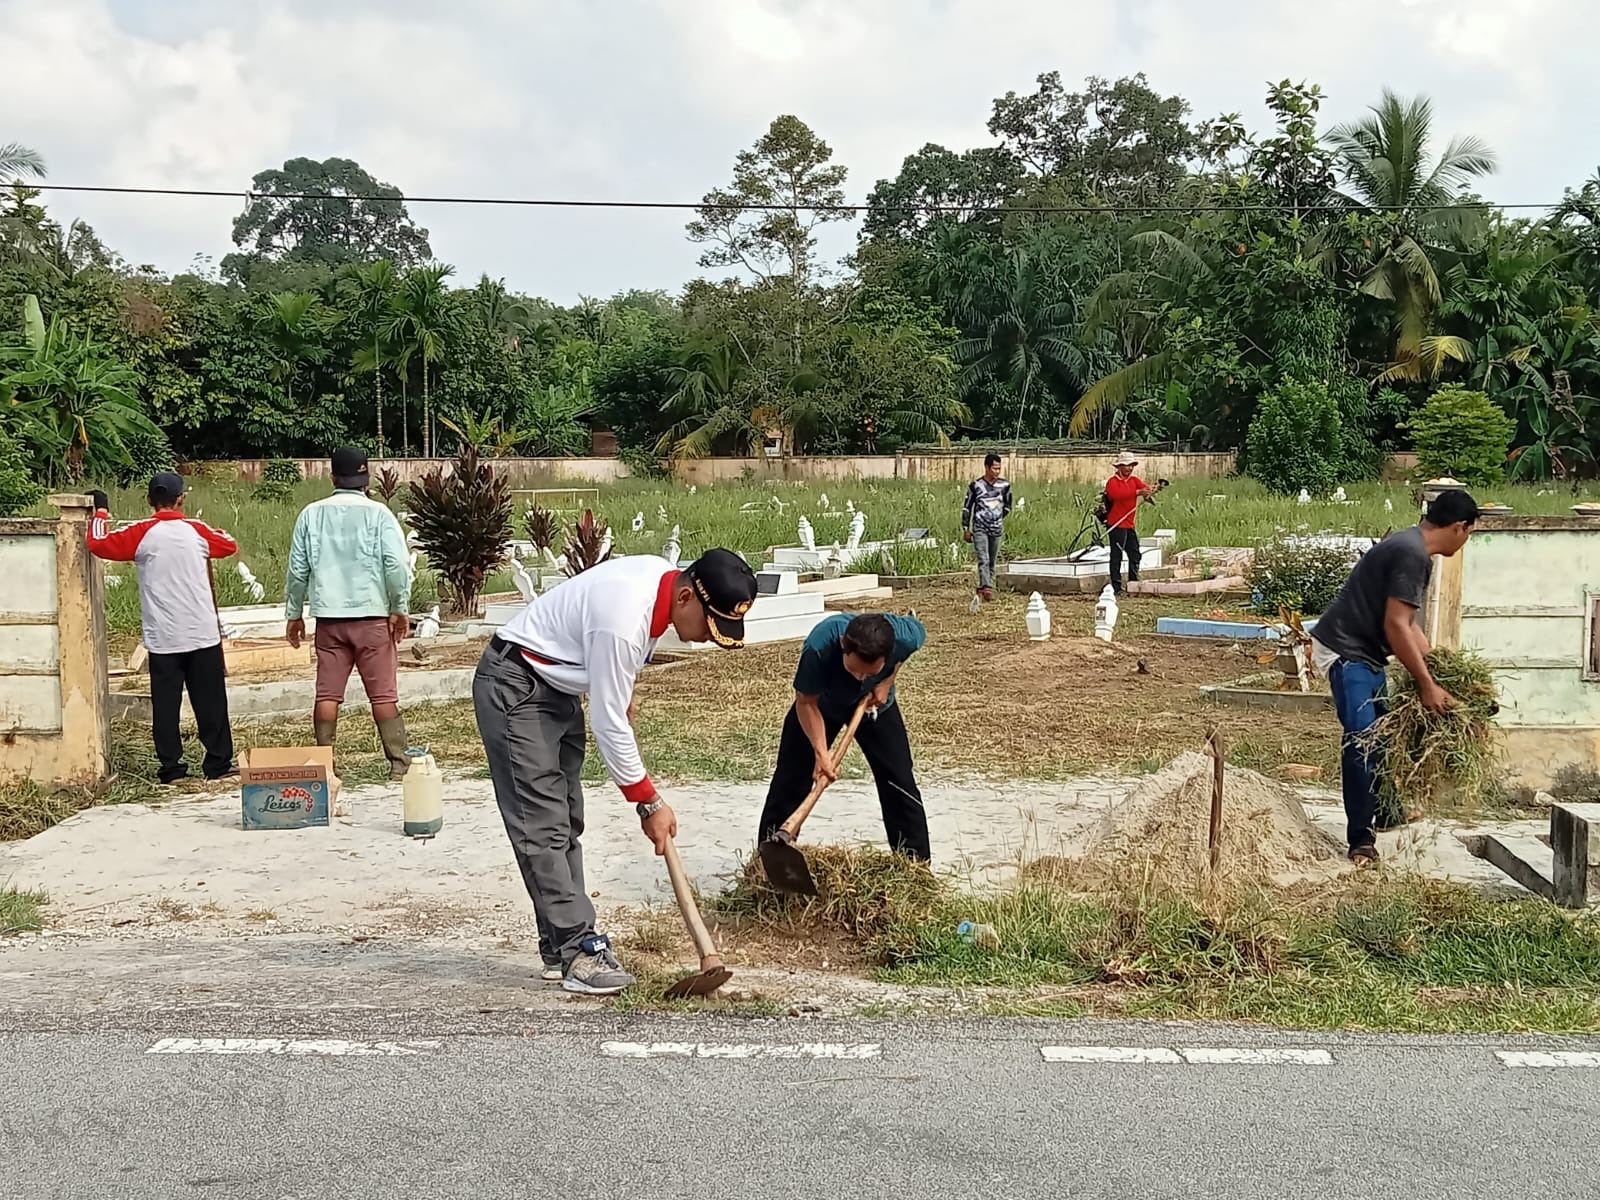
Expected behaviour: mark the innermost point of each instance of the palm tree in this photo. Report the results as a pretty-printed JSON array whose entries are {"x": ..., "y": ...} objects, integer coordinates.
[
  {"x": 1023, "y": 335},
  {"x": 17, "y": 160},
  {"x": 370, "y": 291},
  {"x": 74, "y": 401},
  {"x": 506, "y": 316},
  {"x": 1385, "y": 161},
  {"x": 1135, "y": 304},
  {"x": 707, "y": 405},
  {"x": 295, "y": 323},
  {"x": 424, "y": 320}
]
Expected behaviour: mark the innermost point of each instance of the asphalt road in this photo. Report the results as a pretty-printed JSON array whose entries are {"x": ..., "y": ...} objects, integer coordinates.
[{"x": 652, "y": 1106}]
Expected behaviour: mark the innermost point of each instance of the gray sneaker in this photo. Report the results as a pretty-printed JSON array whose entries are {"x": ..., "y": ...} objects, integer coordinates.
[
  {"x": 596, "y": 971},
  {"x": 551, "y": 972}
]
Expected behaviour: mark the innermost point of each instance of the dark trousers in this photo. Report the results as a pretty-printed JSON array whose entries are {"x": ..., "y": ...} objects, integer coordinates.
[
  {"x": 1358, "y": 698},
  {"x": 888, "y": 752},
  {"x": 204, "y": 674},
  {"x": 534, "y": 740},
  {"x": 1124, "y": 541}
]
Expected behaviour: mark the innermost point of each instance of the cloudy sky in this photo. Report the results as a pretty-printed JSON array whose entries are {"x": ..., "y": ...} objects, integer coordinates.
[{"x": 651, "y": 99}]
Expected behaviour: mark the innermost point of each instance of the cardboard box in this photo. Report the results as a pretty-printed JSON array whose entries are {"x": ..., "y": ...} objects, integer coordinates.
[{"x": 287, "y": 787}]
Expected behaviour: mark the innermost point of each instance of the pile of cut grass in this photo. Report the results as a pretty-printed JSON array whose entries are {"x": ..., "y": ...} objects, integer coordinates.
[
  {"x": 1370, "y": 952},
  {"x": 1441, "y": 759}
]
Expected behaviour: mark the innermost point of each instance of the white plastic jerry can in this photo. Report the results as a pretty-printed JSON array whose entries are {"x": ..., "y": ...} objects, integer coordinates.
[
  {"x": 1105, "y": 614},
  {"x": 422, "y": 796}
]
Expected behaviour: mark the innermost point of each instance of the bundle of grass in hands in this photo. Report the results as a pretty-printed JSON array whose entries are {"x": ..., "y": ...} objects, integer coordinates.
[{"x": 1432, "y": 758}]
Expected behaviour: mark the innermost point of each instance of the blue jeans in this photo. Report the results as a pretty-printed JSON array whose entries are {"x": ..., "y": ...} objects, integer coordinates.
[
  {"x": 1358, "y": 698},
  {"x": 987, "y": 544}
]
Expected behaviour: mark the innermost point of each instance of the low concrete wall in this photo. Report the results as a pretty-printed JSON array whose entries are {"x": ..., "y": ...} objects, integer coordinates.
[
  {"x": 519, "y": 471},
  {"x": 53, "y": 710},
  {"x": 1091, "y": 467}
]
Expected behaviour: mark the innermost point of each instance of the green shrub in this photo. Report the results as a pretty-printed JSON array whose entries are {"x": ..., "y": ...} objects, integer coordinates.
[
  {"x": 147, "y": 454},
  {"x": 1360, "y": 453},
  {"x": 1297, "y": 574},
  {"x": 281, "y": 470},
  {"x": 18, "y": 488},
  {"x": 642, "y": 464},
  {"x": 273, "y": 491},
  {"x": 1463, "y": 435},
  {"x": 1296, "y": 439}
]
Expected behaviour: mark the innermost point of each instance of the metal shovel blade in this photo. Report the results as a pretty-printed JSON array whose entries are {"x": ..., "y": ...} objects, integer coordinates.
[
  {"x": 786, "y": 867},
  {"x": 707, "y": 981}
]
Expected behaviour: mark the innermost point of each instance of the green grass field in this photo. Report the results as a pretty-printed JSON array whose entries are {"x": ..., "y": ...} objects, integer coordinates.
[{"x": 751, "y": 517}]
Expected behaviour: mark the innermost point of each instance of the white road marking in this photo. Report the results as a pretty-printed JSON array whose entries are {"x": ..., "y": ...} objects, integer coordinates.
[
  {"x": 1548, "y": 1058},
  {"x": 328, "y": 1047},
  {"x": 829, "y": 1050},
  {"x": 1208, "y": 1056},
  {"x": 1108, "y": 1054},
  {"x": 1197, "y": 1056}
]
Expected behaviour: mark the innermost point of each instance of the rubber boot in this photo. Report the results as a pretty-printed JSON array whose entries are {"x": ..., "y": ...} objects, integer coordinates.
[
  {"x": 393, "y": 735},
  {"x": 326, "y": 731}
]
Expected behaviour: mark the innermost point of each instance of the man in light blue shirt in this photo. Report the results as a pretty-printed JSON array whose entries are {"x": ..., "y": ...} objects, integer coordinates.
[{"x": 349, "y": 561}]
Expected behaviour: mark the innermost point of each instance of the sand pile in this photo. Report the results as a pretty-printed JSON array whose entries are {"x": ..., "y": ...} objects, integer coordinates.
[{"x": 1161, "y": 829}]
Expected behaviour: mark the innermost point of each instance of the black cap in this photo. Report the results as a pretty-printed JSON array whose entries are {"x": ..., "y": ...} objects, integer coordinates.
[
  {"x": 726, "y": 587},
  {"x": 350, "y": 468},
  {"x": 165, "y": 487}
]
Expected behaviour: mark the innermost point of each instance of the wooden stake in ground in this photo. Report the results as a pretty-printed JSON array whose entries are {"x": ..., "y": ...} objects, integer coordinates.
[{"x": 1214, "y": 741}]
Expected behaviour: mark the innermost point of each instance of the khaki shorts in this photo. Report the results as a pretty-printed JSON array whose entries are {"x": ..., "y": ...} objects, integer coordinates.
[{"x": 364, "y": 644}]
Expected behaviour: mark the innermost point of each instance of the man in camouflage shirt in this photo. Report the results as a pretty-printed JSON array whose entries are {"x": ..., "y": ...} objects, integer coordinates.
[{"x": 983, "y": 515}]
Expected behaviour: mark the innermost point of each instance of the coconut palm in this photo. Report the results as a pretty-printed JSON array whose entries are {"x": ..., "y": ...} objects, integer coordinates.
[
  {"x": 708, "y": 405},
  {"x": 17, "y": 161},
  {"x": 1023, "y": 334},
  {"x": 506, "y": 316},
  {"x": 368, "y": 291},
  {"x": 424, "y": 321},
  {"x": 296, "y": 324},
  {"x": 1387, "y": 168}
]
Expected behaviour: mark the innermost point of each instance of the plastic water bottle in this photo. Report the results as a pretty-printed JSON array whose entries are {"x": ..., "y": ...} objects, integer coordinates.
[{"x": 978, "y": 934}]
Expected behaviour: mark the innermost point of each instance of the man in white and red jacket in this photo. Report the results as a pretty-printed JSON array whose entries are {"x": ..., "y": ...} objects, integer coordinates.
[
  {"x": 182, "y": 631},
  {"x": 592, "y": 635}
]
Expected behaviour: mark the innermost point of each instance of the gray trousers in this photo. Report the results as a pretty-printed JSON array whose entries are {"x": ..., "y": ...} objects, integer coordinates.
[
  {"x": 533, "y": 737},
  {"x": 987, "y": 544}
]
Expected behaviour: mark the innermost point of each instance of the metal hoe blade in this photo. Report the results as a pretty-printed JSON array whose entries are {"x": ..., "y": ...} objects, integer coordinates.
[
  {"x": 711, "y": 977},
  {"x": 786, "y": 867}
]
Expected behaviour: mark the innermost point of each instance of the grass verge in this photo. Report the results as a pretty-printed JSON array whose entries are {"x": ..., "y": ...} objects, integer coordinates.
[
  {"x": 19, "y": 911},
  {"x": 1379, "y": 952}
]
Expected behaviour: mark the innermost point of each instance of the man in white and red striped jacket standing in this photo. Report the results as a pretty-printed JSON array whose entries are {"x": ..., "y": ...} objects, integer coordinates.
[{"x": 182, "y": 630}]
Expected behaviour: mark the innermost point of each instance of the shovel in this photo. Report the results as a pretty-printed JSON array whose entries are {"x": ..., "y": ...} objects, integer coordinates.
[
  {"x": 712, "y": 973},
  {"x": 784, "y": 864}
]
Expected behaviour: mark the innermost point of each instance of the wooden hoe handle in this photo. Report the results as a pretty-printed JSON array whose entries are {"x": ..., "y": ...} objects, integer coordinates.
[
  {"x": 791, "y": 827},
  {"x": 686, "y": 905}
]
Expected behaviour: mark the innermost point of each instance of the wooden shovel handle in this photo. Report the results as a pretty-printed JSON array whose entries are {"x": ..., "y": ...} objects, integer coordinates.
[
  {"x": 791, "y": 827},
  {"x": 686, "y": 905}
]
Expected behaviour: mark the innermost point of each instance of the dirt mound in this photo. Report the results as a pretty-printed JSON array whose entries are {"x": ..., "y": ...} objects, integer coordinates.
[{"x": 1163, "y": 827}]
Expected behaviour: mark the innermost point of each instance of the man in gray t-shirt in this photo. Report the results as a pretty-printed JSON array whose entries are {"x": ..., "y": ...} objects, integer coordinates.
[{"x": 1373, "y": 616}]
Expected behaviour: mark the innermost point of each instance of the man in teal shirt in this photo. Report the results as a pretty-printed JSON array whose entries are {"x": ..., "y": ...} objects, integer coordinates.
[
  {"x": 349, "y": 558},
  {"x": 845, "y": 658}
]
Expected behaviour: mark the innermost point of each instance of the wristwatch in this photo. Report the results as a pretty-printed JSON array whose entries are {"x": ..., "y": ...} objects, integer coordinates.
[{"x": 650, "y": 808}]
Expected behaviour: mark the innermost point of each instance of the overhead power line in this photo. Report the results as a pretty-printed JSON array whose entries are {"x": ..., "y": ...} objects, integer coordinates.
[{"x": 698, "y": 206}]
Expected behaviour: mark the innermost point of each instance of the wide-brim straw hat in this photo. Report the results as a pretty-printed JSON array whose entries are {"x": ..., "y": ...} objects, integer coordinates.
[{"x": 1127, "y": 459}]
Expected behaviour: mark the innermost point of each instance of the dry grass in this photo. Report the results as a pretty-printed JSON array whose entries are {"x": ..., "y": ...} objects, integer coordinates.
[
  {"x": 1446, "y": 760},
  {"x": 980, "y": 697}
]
